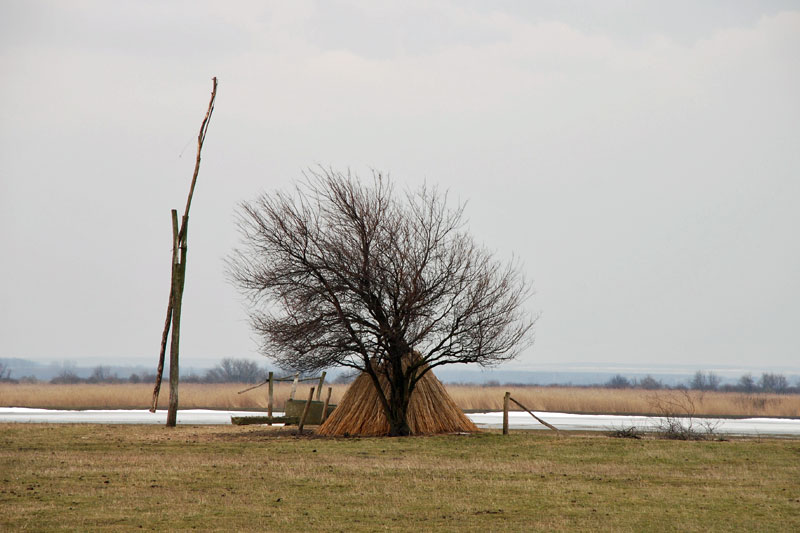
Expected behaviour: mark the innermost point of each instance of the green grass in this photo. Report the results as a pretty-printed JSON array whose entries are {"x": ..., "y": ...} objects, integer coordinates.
[{"x": 91, "y": 477}]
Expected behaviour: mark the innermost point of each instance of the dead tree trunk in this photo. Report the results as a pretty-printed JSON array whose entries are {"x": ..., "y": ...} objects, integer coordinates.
[
  {"x": 178, "y": 279},
  {"x": 168, "y": 320}
]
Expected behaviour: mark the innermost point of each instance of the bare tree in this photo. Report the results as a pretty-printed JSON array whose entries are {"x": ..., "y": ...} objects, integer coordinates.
[
  {"x": 619, "y": 382},
  {"x": 776, "y": 383},
  {"x": 231, "y": 370},
  {"x": 342, "y": 273},
  {"x": 704, "y": 381},
  {"x": 5, "y": 372},
  {"x": 747, "y": 383}
]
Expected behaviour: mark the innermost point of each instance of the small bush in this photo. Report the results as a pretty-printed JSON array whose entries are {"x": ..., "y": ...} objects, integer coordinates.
[
  {"x": 66, "y": 377},
  {"x": 626, "y": 432},
  {"x": 677, "y": 420}
]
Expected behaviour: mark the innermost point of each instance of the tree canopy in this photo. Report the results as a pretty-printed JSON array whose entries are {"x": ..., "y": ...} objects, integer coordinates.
[{"x": 345, "y": 273}]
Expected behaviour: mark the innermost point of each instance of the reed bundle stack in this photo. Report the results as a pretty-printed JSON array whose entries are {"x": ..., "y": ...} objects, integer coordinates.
[{"x": 431, "y": 410}]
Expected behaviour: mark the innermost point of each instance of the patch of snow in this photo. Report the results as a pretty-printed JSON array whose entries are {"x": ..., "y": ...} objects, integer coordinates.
[{"x": 516, "y": 420}]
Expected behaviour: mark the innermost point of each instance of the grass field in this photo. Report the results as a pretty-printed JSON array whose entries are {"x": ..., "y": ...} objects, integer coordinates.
[
  {"x": 566, "y": 399},
  {"x": 86, "y": 477}
]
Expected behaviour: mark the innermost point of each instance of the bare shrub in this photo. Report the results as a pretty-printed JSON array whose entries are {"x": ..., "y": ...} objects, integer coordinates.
[
  {"x": 626, "y": 432},
  {"x": 678, "y": 416},
  {"x": 66, "y": 376}
]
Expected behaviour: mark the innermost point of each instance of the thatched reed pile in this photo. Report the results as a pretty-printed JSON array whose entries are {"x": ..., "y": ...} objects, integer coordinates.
[{"x": 431, "y": 410}]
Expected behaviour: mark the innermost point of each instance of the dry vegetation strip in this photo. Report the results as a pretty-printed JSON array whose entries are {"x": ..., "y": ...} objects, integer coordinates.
[
  {"x": 469, "y": 397},
  {"x": 80, "y": 477}
]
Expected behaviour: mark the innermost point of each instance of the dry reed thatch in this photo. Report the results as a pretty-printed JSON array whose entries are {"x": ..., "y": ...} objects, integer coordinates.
[{"x": 430, "y": 410}]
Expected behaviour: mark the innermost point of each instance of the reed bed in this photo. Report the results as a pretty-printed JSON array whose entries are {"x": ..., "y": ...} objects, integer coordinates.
[
  {"x": 467, "y": 397},
  {"x": 139, "y": 395},
  {"x": 628, "y": 401}
]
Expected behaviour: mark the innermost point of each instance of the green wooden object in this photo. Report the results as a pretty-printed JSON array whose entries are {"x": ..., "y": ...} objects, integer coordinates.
[
  {"x": 314, "y": 417},
  {"x": 245, "y": 420}
]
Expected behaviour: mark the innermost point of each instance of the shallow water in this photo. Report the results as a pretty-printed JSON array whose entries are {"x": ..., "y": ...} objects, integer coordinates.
[{"x": 516, "y": 420}]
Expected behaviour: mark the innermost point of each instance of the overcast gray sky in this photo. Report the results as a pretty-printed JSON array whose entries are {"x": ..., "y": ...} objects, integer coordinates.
[{"x": 642, "y": 158}]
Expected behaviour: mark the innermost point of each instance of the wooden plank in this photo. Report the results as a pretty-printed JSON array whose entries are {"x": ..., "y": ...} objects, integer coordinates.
[{"x": 245, "y": 420}]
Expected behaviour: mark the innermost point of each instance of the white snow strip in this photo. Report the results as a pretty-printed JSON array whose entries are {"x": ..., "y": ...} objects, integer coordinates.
[{"x": 516, "y": 419}]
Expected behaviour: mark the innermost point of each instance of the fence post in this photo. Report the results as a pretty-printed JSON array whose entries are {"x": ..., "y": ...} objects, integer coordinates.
[
  {"x": 305, "y": 411},
  {"x": 321, "y": 383},
  {"x": 505, "y": 412},
  {"x": 269, "y": 400},
  {"x": 294, "y": 385},
  {"x": 325, "y": 405}
]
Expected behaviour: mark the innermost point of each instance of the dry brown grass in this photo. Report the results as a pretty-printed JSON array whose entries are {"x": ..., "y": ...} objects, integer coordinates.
[
  {"x": 469, "y": 397},
  {"x": 627, "y": 401},
  {"x": 138, "y": 396},
  {"x": 79, "y": 477}
]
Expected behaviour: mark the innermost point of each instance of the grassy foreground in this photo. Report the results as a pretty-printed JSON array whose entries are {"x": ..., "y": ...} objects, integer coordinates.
[{"x": 88, "y": 477}]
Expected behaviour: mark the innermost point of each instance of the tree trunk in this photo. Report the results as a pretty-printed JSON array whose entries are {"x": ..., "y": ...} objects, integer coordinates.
[
  {"x": 399, "y": 388},
  {"x": 398, "y": 422}
]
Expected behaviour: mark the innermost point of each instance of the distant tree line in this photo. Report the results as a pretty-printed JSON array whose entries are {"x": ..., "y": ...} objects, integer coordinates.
[
  {"x": 229, "y": 370},
  {"x": 709, "y": 381}
]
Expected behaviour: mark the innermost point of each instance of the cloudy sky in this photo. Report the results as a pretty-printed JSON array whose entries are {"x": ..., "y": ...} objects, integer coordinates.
[{"x": 641, "y": 158}]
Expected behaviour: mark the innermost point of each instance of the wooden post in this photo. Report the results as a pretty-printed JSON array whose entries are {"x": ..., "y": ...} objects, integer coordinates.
[
  {"x": 305, "y": 411},
  {"x": 269, "y": 400},
  {"x": 179, "y": 276},
  {"x": 325, "y": 405},
  {"x": 505, "y": 412},
  {"x": 179, "y": 239},
  {"x": 294, "y": 385},
  {"x": 168, "y": 322},
  {"x": 321, "y": 383}
]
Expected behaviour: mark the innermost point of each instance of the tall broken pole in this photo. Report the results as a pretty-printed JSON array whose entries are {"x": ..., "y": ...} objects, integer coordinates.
[{"x": 177, "y": 281}]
